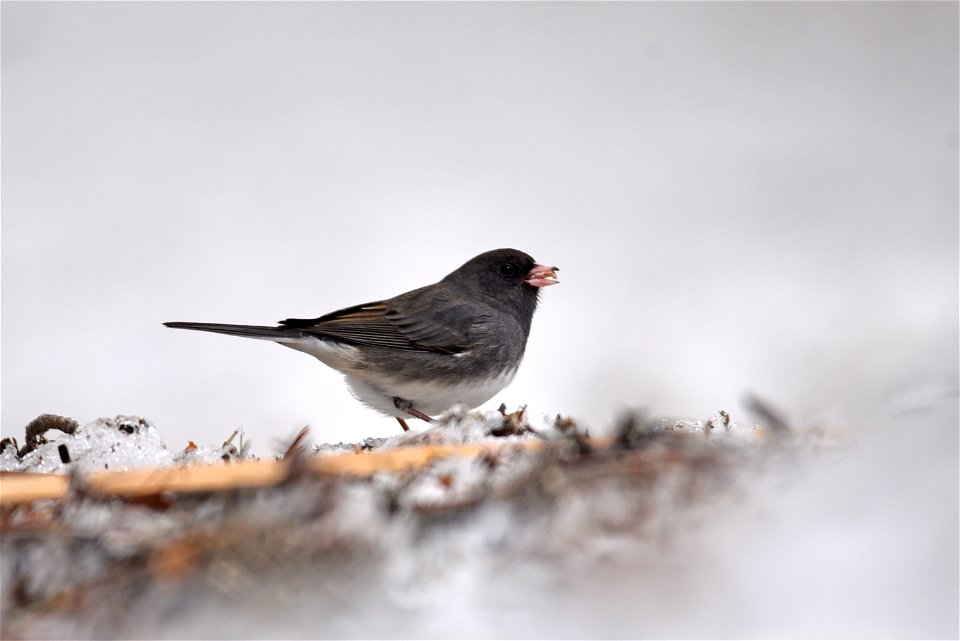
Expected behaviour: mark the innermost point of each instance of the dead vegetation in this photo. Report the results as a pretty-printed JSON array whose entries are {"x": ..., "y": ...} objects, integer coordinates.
[{"x": 181, "y": 539}]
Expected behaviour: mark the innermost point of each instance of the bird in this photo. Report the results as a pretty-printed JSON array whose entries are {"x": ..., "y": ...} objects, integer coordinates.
[{"x": 418, "y": 354}]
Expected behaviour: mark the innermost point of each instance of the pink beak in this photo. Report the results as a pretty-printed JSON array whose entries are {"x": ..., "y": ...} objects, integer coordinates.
[{"x": 542, "y": 276}]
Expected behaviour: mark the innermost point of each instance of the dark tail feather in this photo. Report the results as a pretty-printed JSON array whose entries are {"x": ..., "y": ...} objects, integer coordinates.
[{"x": 247, "y": 331}]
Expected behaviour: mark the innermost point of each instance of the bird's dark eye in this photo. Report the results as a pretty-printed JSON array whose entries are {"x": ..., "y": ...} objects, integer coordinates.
[{"x": 508, "y": 270}]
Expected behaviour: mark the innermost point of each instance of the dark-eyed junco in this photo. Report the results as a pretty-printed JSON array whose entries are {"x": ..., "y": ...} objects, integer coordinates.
[{"x": 420, "y": 353}]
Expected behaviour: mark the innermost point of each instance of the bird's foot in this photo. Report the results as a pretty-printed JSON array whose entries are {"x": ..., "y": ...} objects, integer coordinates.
[{"x": 407, "y": 406}]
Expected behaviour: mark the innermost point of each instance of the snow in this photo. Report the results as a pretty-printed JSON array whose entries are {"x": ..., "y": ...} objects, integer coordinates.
[
  {"x": 119, "y": 443},
  {"x": 691, "y": 531}
]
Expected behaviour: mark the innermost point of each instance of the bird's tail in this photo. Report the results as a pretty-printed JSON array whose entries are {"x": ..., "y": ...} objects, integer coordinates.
[{"x": 247, "y": 331}]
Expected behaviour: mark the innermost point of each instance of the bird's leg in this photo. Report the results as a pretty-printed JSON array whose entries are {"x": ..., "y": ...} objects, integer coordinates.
[
  {"x": 423, "y": 417},
  {"x": 403, "y": 424},
  {"x": 407, "y": 406}
]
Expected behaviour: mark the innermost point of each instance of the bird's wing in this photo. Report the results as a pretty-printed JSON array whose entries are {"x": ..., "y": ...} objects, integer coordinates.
[{"x": 395, "y": 324}]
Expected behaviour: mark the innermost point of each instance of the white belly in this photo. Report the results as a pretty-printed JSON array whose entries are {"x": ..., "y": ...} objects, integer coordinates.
[
  {"x": 379, "y": 391},
  {"x": 431, "y": 399}
]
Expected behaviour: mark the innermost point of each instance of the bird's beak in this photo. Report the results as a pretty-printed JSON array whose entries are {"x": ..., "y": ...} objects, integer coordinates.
[{"x": 542, "y": 276}]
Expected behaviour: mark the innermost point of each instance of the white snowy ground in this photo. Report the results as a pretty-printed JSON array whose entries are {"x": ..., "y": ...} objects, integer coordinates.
[
  {"x": 119, "y": 443},
  {"x": 857, "y": 539}
]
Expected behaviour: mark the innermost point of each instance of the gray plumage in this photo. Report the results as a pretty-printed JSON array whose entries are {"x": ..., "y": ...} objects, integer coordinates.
[{"x": 459, "y": 340}]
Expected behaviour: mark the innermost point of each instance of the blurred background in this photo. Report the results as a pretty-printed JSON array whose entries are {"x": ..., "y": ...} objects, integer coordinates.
[{"x": 740, "y": 196}]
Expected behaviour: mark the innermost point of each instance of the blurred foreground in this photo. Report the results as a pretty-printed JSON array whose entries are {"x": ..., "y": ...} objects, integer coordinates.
[{"x": 666, "y": 529}]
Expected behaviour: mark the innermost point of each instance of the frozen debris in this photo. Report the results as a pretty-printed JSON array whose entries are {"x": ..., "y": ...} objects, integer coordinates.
[
  {"x": 460, "y": 426},
  {"x": 367, "y": 444},
  {"x": 634, "y": 426},
  {"x": 456, "y": 427},
  {"x": 120, "y": 443},
  {"x": 58, "y": 444},
  {"x": 328, "y": 536},
  {"x": 194, "y": 453},
  {"x": 720, "y": 420},
  {"x": 551, "y": 500}
]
